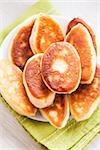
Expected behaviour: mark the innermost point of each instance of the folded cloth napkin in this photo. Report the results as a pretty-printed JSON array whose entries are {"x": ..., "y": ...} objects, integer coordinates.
[{"x": 76, "y": 135}]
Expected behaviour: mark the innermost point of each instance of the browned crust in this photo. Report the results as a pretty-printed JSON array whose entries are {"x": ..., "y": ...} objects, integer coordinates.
[
  {"x": 45, "y": 32},
  {"x": 38, "y": 93},
  {"x": 20, "y": 50},
  {"x": 80, "y": 38},
  {"x": 56, "y": 81},
  {"x": 34, "y": 80},
  {"x": 75, "y": 21}
]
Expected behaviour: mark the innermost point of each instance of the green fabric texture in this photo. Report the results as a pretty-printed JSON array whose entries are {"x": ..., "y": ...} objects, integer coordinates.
[{"x": 76, "y": 135}]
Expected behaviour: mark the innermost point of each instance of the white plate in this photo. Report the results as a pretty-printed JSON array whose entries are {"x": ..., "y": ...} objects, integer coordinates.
[{"x": 7, "y": 42}]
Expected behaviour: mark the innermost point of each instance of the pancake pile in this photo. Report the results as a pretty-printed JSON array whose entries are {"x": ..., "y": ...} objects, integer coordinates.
[{"x": 53, "y": 73}]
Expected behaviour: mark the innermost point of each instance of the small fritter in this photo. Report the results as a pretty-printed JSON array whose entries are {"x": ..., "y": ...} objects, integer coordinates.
[
  {"x": 86, "y": 98},
  {"x": 12, "y": 89},
  {"x": 80, "y": 38},
  {"x": 61, "y": 68},
  {"x": 45, "y": 32},
  {"x": 20, "y": 50},
  {"x": 36, "y": 90},
  {"x": 58, "y": 113}
]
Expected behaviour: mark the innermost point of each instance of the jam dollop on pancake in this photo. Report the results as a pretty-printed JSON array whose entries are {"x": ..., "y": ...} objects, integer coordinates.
[
  {"x": 45, "y": 32},
  {"x": 20, "y": 50},
  {"x": 61, "y": 68},
  {"x": 75, "y": 21},
  {"x": 58, "y": 113},
  {"x": 12, "y": 89},
  {"x": 80, "y": 38},
  {"x": 37, "y": 91},
  {"x": 85, "y": 99}
]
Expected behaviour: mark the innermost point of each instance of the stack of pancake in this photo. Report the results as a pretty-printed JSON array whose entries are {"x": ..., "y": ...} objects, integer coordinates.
[{"x": 52, "y": 72}]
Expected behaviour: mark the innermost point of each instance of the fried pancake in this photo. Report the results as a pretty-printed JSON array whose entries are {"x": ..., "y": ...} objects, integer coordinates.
[
  {"x": 45, "y": 32},
  {"x": 36, "y": 90},
  {"x": 61, "y": 68},
  {"x": 20, "y": 50},
  {"x": 80, "y": 38},
  {"x": 75, "y": 21},
  {"x": 85, "y": 99},
  {"x": 58, "y": 113},
  {"x": 12, "y": 89}
]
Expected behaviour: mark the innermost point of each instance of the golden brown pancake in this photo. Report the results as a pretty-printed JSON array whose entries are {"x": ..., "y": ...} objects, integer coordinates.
[
  {"x": 58, "y": 113},
  {"x": 75, "y": 21},
  {"x": 12, "y": 89},
  {"x": 20, "y": 50},
  {"x": 36, "y": 90},
  {"x": 80, "y": 38},
  {"x": 61, "y": 68},
  {"x": 45, "y": 32},
  {"x": 85, "y": 99}
]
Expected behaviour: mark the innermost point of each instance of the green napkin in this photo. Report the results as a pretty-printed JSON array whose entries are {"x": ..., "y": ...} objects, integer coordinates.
[{"x": 74, "y": 136}]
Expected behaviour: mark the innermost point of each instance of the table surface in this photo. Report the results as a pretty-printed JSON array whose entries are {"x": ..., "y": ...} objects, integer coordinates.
[{"x": 12, "y": 135}]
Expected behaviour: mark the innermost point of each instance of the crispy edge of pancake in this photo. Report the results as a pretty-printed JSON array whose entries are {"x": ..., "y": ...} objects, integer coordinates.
[
  {"x": 64, "y": 122},
  {"x": 14, "y": 37},
  {"x": 44, "y": 102},
  {"x": 79, "y": 71},
  {"x": 34, "y": 33},
  {"x": 18, "y": 109},
  {"x": 93, "y": 54},
  {"x": 75, "y": 21}
]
